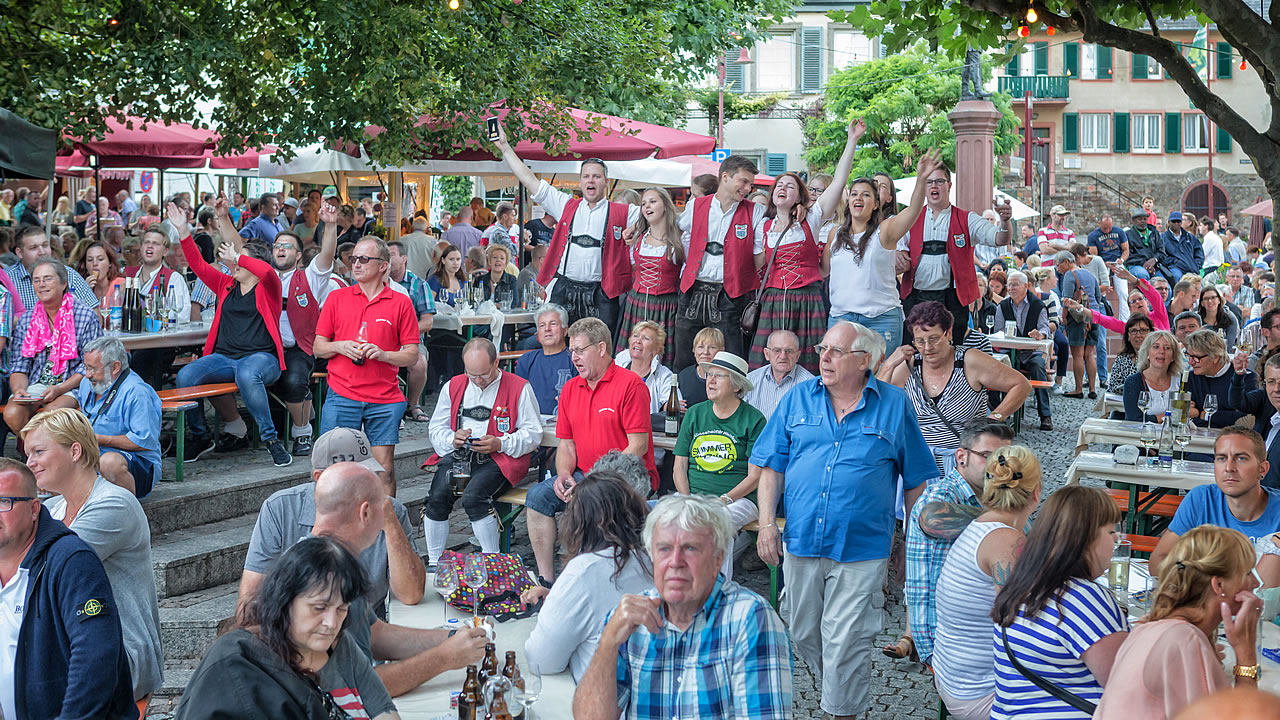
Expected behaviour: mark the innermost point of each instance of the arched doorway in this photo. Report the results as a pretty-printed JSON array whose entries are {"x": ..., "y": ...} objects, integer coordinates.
[{"x": 1195, "y": 200}]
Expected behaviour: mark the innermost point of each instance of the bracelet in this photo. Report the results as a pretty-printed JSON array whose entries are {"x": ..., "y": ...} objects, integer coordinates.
[
  {"x": 770, "y": 525},
  {"x": 726, "y": 499},
  {"x": 1253, "y": 672}
]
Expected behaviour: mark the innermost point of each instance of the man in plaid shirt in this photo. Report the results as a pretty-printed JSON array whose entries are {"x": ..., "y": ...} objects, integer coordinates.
[
  {"x": 700, "y": 646},
  {"x": 939, "y": 516}
]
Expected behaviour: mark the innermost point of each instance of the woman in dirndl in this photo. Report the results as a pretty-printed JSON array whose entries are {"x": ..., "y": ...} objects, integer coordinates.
[
  {"x": 792, "y": 296},
  {"x": 656, "y": 260}
]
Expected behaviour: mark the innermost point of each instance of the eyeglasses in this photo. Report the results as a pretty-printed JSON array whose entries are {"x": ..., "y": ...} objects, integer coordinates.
[
  {"x": 816, "y": 189},
  {"x": 285, "y": 246},
  {"x": 580, "y": 350},
  {"x": 837, "y": 352},
  {"x": 928, "y": 342},
  {"x": 362, "y": 259},
  {"x": 1195, "y": 358},
  {"x": 982, "y": 455},
  {"x": 6, "y": 503},
  {"x": 784, "y": 351},
  {"x": 717, "y": 375},
  {"x": 936, "y": 182}
]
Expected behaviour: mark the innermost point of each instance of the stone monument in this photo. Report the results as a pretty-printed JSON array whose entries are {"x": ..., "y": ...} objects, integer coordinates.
[{"x": 974, "y": 119}]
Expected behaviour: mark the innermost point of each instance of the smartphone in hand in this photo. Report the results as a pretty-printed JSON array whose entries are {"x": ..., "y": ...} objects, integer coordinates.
[{"x": 492, "y": 124}]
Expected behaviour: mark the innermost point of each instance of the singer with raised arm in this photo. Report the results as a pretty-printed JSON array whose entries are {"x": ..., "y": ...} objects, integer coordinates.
[{"x": 589, "y": 258}]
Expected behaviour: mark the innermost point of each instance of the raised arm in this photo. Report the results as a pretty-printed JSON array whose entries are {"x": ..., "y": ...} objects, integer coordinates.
[
  {"x": 211, "y": 276},
  {"x": 831, "y": 196},
  {"x": 518, "y": 168},
  {"x": 226, "y": 227},
  {"x": 898, "y": 225},
  {"x": 328, "y": 243}
]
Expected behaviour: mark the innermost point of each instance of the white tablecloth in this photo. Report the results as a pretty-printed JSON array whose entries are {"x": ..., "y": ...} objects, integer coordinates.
[
  {"x": 1126, "y": 432},
  {"x": 1100, "y": 465}
]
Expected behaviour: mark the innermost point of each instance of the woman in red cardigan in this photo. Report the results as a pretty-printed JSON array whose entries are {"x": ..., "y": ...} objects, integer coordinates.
[{"x": 243, "y": 347}]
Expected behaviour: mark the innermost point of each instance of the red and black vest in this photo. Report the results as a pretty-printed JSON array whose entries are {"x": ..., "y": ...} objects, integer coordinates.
[
  {"x": 303, "y": 310},
  {"x": 959, "y": 256},
  {"x": 502, "y": 419},
  {"x": 740, "y": 276},
  {"x": 161, "y": 275},
  {"x": 654, "y": 275},
  {"x": 615, "y": 265},
  {"x": 804, "y": 264}
]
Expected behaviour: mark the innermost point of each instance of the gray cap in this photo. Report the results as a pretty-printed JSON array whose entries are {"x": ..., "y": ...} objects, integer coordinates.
[
  {"x": 343, "y": 445},
  {"x": 1137, "y": 212},
  {"x": 1064, "y": 256}
]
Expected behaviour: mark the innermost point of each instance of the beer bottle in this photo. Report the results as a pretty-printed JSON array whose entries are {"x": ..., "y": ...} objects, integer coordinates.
[
  {"x": 498, "y": 707},
  {"x": 512, "y": 672},
  {"x": 489, "y": 666},
  {"x": 672, "y": 409},
  {"x": 469, "y": 701},
  {"x": 362, "y": 337}
]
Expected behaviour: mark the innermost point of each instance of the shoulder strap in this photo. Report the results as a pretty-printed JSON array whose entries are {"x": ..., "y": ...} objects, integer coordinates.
[
  {"x": 933, "y": 405},
  {"x": 1044, "y": 684}
]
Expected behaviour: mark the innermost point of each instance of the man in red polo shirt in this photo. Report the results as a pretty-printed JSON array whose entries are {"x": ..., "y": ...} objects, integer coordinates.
[
  {"x": 605, "y": 408},
  {"x": 367, "y": 332}
]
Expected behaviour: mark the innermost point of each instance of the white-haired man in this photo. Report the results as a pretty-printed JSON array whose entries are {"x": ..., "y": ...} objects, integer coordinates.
[
  {"x": 125, "y": 413},
  {"x": 656, "y": 648},
  {"x": 836, "y": 446}
]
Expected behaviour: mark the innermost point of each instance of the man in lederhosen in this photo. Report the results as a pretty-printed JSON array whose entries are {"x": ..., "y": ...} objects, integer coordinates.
[{"x": 588, "y": 257}]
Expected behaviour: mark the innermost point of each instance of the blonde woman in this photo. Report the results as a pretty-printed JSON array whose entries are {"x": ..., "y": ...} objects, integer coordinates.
[
  {"x": 693, "y": 379},
  {"x": 62, "y": 212},
  {"x": 656, "y": 260},
  {"x": 1169, "y": 659},
  {"x": 1159, "y": 367},
  {"x": 976, "y": 569}
]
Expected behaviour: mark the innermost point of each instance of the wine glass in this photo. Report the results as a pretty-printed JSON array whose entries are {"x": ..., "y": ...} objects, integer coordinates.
[
  {"x": 1182, "y": 436},
  {"x": 1210, "y": 407},
  {"x": 1144, "y": 402},
  {"x": 990, "y": 322},
  {"x": 446, "y": 582},
  {"x": 532, "y": 677},
  {"x": 474, "y": 576},
  {"x": 1150, "y": 438}
]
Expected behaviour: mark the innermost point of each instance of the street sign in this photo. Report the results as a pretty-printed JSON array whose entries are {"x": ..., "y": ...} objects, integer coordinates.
[{"x": 718, "y": 155}]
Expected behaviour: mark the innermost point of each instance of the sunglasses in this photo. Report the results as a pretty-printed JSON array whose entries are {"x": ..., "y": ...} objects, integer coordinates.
[{"x": 362, "y": 259}]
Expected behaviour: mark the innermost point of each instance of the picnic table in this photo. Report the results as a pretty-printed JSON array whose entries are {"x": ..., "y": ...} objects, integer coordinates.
[
  {"x": 430, "y": 701},
  {"x": 1000, "y": 341},
  {"x": 1157, "y": 481},
  {"x": 177, "y": 336},
  {"x": 1122, "y": 432},
  {"x": 518, "y": 317},
  {"x": 1109, "y": 402}
]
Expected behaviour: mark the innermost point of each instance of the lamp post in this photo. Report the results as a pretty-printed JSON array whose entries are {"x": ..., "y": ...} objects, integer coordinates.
[{"x": 743, "y": 59}]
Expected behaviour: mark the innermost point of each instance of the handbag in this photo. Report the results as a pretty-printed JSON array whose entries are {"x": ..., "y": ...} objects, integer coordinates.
[
  {"x": 750, "y": 319},
  {"x": 1084, "y": 314},
  {"x": 506, "y": 579},
  {"x": 1066, "y": 696}
]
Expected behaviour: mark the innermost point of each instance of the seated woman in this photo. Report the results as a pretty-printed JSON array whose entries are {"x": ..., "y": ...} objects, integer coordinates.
[
  {"x": 1126, "y": 363},
  {"x": 1210, "y": 375},
  {"x": 692, "y": 380},
  {"x": 63, "y": 452},
  {"x": 444, "y": 345},
  {"x": 1060, "y": 624},
  {"x": 643, "y": 356},
  {"x": 1169, "y": 659},
  {"x": 947, "y": 384},
  {"x": 46, "y": 365},
  {"x": 497, "y": 282},
  {"x": 601, "y": 533},
  {"x": 102, "y": 272},
  {"x": 1143, "y": 300},
  {"x": 715, "y": 441},
  {"x": 1217, "y": 317},
  {"x": 976, "y": 569},
  {"x": 292, "y": 657},
  {"x": 1159, "y": 366}
]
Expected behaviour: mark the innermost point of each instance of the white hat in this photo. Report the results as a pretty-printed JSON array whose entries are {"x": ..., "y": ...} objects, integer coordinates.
[{"x": 734, "y": 365}]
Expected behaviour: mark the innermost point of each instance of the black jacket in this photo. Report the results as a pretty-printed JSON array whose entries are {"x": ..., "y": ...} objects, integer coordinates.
[
  {"x": 240, "y": 677},
  {"x": 1243, "y": 397},
  {"x": 1143, "y": 246}
]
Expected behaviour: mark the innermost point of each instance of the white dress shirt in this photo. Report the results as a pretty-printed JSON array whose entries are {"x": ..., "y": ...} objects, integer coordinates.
[
  {"x": 13, "y": 598},
  {"x": 934, "y": 271},
  {"x": 318, "y": 279},
  {"x": 578, "y": 263},
  {"x": 718, "y": 221},
  {"x": 523, "y": 439}
]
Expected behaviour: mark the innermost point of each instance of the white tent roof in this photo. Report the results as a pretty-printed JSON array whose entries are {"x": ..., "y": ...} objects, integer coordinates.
[{"x": 1021, "y": 211}]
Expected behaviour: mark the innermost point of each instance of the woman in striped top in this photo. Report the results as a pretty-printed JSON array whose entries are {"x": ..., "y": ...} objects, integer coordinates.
[
  {"x": 947, "y": 384},
  {"x": 1061, "y": 625}
]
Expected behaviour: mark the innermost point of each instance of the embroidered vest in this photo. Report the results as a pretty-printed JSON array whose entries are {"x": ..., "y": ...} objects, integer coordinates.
[
  {"x": 740, "y": 276},
  {"x": 959, "y": 256},
  {"x": 615, "y": 267},
  {"x": 798, "y": 264},
  {"x": 503, "y": 419}
]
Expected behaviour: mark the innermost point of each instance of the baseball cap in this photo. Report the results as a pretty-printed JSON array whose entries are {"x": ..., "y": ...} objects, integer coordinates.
[
  {"x": 1175, "y": 215},
  {"x": 1059, "y": 210},
  {"x": 343, "y": 445},
  {"x": 291, "y": 202},
  {"x": 329, "y": 191},
  {"x": 1137, "y": 212}
]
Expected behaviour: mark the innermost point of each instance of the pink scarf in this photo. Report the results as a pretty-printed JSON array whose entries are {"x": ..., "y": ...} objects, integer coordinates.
[{"x": 62, "y": 336}]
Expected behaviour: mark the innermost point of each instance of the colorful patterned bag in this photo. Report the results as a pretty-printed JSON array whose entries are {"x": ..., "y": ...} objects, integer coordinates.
[{"x": 500, "y": 596}]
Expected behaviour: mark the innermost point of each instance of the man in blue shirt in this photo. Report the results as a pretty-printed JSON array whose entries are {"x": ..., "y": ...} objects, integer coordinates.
[
  {"x": 1182, "y": 251},
  {"x": 264, "y": 227},
  {"x": 549, "y": 369},
  {"x": 1236, "y": 500},
  {"x": 125, "y": 413},
  {"x": 837, "y": 444},
  {"x": 1109, "y": 242}
]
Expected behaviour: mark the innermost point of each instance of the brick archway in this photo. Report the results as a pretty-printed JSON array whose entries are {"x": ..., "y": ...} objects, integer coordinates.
[{"x": 1195, "y": 200}]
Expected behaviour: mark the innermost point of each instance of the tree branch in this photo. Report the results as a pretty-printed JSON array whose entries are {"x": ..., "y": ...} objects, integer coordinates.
[{"x": 1151, "y": 17}]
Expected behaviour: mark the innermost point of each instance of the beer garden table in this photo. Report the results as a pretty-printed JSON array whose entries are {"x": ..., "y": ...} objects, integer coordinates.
[
  {"x": 178, "y": 336},
  {"x": 1158, "y": 481},
  {"x": 1122, "y": 432}
]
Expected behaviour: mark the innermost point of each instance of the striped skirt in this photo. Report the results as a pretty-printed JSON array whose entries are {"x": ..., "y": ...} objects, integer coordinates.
[
  {"x": 800, "y": 310},
  {"x": 637, "y": 307}
]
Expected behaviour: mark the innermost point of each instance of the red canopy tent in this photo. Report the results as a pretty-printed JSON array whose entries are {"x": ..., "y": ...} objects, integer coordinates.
[
  {"x": 707, "y": 166},
  {"x": 155, "y": 145}
]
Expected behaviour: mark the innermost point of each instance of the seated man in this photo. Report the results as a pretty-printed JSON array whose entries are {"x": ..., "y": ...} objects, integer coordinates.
[
  {"x": 489, "y": 420},
  {"x": 549, "y": 369},
  {"x": 655, "y": 648},
  {"x": 1262, "y": 403},
  {"x": 64, "y": 652},
  {"x": 605, "y": 408},
  {"x": 1185, "y": 323},
  {"x": 1032, "y": 319},
  {"x": 155, "y": 276},
  {"x": 125, "y": 413},
  {"x": 350, "y": 506},
  {"x": 770, "y": 382}
]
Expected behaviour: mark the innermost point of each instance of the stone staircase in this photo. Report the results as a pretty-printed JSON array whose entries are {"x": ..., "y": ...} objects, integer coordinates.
[
  {"x": 200, "y": 531},
  {"x": 1088, "y": 197}
]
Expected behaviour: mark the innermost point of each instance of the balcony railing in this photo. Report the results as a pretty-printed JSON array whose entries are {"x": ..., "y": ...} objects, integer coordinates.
[{"x": 1041, "y": 87}]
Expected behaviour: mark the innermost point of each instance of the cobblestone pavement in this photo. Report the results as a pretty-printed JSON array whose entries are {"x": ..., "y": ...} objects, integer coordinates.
[{"x": 899, "y": 688}]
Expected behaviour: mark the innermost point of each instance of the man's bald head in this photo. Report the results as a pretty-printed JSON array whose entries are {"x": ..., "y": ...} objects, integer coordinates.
[
  {"x": 1233, "y": 704},
  {"x": 18, "y": 477},
  {"x": 342, "y": 487}
]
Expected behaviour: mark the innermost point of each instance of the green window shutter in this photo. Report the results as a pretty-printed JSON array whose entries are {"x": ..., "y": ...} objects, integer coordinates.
[
  {"x": 1138, "y": 66},
  {"x": 1173, "y": 132},
  {"x": 1042, "y": 58},
  {"x": 1120, "y": 132},
  {"x": 1071, "y": 59},
  {"x": 1224, "y": 61},
  {"x": 1070, "y": 132},
  {"x": 1011, "y": 67},
  {"x": 1224, "y": 140},
  {"x": 732, "y": 72},
  {"x": 775, "y": 164},
  {"x": 810, "y": 59},
  {"x": 1104, "y": 62}
]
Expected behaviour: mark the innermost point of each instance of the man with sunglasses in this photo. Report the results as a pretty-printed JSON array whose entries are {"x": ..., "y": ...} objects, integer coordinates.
[
  {"x": 835, "y": 448},
  {"x": 368, "y": 332},
  {"x": 61, "y": 648}
]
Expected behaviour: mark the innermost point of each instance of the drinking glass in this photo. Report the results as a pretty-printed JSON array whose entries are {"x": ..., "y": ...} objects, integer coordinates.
[
  {"x": 1210, "y": 407},
  {"x": 474, "y": 576},
  {"x": 532, "y": 676},
  {"x": 1144, "y": 402},
  {"x": 990, "y": 322},
  {"x": 1150, "y": 438},
  {"x": 446, "y": 583},
  {"x": 1118, "y": 574},
  {"x": 1182, "y": 436}
]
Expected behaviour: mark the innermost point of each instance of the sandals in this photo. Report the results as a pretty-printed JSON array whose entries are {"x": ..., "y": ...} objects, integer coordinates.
[
  {"x": 901, "y": 650},
  {"x": 417, "y": 414}
]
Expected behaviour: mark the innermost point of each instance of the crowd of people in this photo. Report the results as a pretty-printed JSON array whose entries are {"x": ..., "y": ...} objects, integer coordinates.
[{"x": 828, "y": 352}]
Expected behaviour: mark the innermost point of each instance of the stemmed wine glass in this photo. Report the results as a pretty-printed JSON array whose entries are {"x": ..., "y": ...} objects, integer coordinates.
[
  {"x": 474, "y": 576},
  {"x": 990, "y": 322},
  {"x": 1210, "y": 407},
  {"x": 1150, "y": 438},
  {"x": 446, "y": 583},
  {"x": 1144, "y": 402},
  {"x": 1182, "y": 436},
  {"x": 532, "y": 677}
]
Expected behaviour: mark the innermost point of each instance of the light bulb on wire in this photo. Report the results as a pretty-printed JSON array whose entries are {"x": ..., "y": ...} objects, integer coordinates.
[
  {"x": 1242, "y": 65},
  {"x": 1023, "y": 31},
  {"x": 1031, "y": 15},
  {"x": 1050, "y": 30},
  {"x": 453, "y": 4}
]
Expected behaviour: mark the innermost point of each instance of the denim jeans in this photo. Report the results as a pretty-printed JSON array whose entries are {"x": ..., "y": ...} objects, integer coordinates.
[
  {"x": 251, "y": 373},
  {"x": 888, "y": 324},
  {"x": 1139, "y": 272}
]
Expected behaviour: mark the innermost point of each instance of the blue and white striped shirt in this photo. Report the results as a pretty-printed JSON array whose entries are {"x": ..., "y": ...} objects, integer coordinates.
[{"x": 1051, "y": 645}]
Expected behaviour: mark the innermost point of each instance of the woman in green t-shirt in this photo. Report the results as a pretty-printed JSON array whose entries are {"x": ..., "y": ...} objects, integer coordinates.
[{"x": 715, "y": 443}]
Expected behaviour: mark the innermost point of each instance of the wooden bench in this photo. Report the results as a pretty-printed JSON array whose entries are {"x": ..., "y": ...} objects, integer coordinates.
[
  {"x": 510, "y": 357},
  {"x": 1143, "y": 543},
  {"x": 1165, "y": 506},
  {"x": 180, "y": 400}
]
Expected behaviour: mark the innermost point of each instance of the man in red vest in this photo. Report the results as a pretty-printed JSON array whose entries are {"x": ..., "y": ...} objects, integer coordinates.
[
  {"x": 938, "y": 252},
  {"x": 487, "y": 420},
  {"x": 151, "y": 364},
  {"x": 724, "y": 248},
  {"x": 588, "y": 257}
]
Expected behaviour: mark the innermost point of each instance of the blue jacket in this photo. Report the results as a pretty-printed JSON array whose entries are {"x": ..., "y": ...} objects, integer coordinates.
[
  {"x": 1184, "y": 252},
  {"x": 71, "y": 663},
  {"x": 1243, "y": 397}
]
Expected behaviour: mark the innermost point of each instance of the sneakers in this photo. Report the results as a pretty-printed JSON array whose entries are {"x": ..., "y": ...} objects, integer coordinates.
[
  {"x": 230, "y": 443},
  {"x": 1060, "y": 389},
  {"x": 196, "y": 447},
  {"x": 279, "y": 455},
  {"x": 302, "y": 446}
]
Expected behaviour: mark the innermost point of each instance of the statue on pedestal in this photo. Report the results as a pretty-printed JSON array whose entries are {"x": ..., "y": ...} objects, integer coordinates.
[{"x": 971, "y": 77}]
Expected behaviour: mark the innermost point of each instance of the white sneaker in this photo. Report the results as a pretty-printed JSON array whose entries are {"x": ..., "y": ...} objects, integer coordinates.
[{"x": 1059, "y": 389}]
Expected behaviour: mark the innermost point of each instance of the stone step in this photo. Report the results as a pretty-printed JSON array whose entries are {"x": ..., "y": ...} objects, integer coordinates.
[{"x": 190, "y": 623}]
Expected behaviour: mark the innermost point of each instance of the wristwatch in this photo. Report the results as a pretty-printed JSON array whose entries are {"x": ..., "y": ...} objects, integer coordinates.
[
  {"x": 997, "y": 416},
  {"x": 1253, "y": 672}
]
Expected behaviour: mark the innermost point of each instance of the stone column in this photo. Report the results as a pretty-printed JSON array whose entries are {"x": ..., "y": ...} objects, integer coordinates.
[{"x": 975, "y": 124}]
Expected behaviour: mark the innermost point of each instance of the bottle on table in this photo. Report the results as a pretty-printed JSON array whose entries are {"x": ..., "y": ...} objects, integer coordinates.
[
  {"x": 498, "y": 707},
  {"x": 1181, "y": 400},
  {"x": 139, "y": 307},
  {"x": 469, "y": 700},
  {"x": 1166, "y": 440},
  {"x": 115, "y": 311},
  {"x": 512, "y": 672},
  {"x": 489, "y": 666},
  {"x": 126, "y": 311},
  {"x": 671, "y": 426},
  {"x": 362, "y": 337}
]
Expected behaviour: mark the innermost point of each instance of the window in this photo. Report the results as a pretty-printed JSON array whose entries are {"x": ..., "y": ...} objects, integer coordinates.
[
  {"x": 1195, "y": 133},
  {"x": 850, "y": 48},
  {"x": 775, "y": 64},
  {"x": 1095, "y": 132},
  {"x": 1146, "y": 133},
  {"x": 1145, "y": 68},
  {"x": 1095, "y": 62}
]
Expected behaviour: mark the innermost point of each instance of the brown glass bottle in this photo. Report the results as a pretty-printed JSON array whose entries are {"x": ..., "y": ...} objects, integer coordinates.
[
  {"x": 469, "y": 701},
  {"x": 512, "y": 672},
  {"x": 489, "y": 666},
  {"x": 498, "y": 707},
  {"x": 671, "y": 424}
]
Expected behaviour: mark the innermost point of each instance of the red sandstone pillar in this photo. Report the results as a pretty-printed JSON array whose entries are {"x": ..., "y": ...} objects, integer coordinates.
[{"x": 975, "y": 124}]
